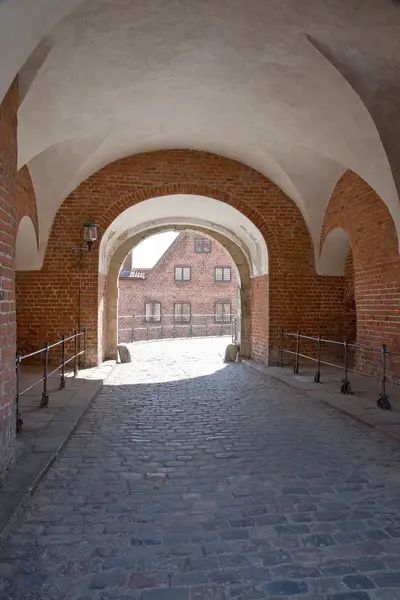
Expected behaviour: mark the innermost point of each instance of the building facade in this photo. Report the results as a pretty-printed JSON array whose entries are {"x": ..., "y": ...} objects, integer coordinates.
[{"x": 191, "y": 291}]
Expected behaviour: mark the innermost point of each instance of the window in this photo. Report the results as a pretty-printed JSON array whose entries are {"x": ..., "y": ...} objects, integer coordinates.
[
  {"x": 223, "y": 312},
  {"x": 183, "y": 273},
  {"x": 202, "y": 245},
  {"x": 152, "y": 312},
  {"x": 222, "y": 273},
  {"x": 182, "y": 312}
]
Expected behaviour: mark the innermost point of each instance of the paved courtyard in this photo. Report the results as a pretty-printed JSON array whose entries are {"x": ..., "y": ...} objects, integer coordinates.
[{"x": 189, "y": 479}]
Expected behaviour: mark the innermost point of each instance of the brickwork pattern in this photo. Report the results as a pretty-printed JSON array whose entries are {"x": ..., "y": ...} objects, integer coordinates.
[
  {"x": 8, "y": 224},
  {"x": 202, "y": 292},
  {"x": 358, "y": 210},
  {"x": 192, "y": 480},
  {"x": 309, "y": 302},
  {"x": 260, "y": 317}
]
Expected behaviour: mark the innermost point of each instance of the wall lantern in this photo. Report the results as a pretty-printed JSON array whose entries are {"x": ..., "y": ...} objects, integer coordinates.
[{"x": 89, "y": 233}]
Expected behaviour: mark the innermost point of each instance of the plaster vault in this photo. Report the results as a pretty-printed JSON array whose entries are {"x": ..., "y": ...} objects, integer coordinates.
[{"x": 299, "y": 92}]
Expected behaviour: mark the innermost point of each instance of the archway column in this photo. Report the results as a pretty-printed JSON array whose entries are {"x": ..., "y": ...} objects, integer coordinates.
[{"x": 8, "y": 211}]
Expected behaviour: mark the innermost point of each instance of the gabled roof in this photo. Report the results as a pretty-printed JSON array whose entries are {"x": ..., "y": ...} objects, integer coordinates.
[{"x": 135, "y": 274}]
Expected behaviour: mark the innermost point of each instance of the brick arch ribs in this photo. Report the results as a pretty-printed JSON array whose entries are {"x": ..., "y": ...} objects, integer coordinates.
[
  {"x": 358, "y": 210},
  {"x": 296, "y": 296}
]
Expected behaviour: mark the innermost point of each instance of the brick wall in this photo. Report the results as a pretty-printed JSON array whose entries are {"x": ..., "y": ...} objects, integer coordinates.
[
  {"x": 298, "y": 297},
  {"x": 202, "y": 292},
  {"x": 8, "y": 224},
  {"x": 358, "y": 210},
  {"x": 259, "y": 317}
]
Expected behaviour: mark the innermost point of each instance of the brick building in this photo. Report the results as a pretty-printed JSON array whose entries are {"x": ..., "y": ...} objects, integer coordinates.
[{"x": 192, "y": 290}]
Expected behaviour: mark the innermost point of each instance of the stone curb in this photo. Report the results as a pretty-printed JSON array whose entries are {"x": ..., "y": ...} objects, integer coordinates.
[
  {"x": 336, "y": 401},
  {"x": 29, "y": 470}
]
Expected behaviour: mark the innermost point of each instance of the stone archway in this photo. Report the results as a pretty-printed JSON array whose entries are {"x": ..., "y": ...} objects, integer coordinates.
[
  {"x": 298, "y": 298},
  {"x": 108, "y": 329}
]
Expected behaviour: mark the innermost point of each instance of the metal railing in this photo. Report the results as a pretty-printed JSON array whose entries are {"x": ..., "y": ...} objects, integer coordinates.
[
  {"x": 45, "y": 351},
  {"x": 167, "y": 326},
  {"x": 345, "y": 388}
]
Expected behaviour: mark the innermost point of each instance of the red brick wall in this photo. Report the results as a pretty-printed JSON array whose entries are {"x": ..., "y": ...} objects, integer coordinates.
[
  {"x": 358, "y": 210},
  {"x": 8, "y": 224},
  {"x": 202, "y": 292},
  {"x": 259, "y": 317},
  {"x": 297, "y": 296}
]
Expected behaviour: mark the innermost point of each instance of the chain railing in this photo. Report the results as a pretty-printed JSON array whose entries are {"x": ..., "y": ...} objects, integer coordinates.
[
  {"x": 345, "y": 388},
  {"x": 45, "y": 360},
  {"x": 170, "y": 326}
]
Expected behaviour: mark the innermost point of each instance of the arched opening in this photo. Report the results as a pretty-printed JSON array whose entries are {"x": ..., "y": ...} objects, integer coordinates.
[
  {"x": 234, "y": 231},
  {"x": 178, "y": 284},
  {"x": 334, "y": 253},
  {"x": 108, "y": 300},
  {"x": 26, "y": 247},
  {"x": 336, "y": 260}
]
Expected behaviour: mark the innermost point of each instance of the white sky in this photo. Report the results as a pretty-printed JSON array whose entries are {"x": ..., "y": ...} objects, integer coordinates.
[{"x": 148, "y": 252}]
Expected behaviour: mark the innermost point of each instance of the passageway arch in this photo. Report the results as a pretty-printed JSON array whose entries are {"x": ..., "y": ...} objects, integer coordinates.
[
  {"x": 282, "y": 283},
  {"x": 26, "y": 244},
  {"x": 108, "y": 330}
]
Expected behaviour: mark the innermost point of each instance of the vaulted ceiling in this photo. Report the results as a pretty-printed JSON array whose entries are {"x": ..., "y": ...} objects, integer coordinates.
[{"x": 301, "y": 91}]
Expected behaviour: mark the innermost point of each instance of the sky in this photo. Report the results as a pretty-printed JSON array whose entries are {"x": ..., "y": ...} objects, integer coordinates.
[{"x": 148, "y": 252}]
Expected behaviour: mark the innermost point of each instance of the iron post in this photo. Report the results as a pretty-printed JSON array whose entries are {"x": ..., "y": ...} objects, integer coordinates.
[
  {"x": 19, "y": 421},
  {"x": 383, "y": 400},
  {"x": 84, "y": 347},
  {"x": 296, "y": 361},
  {"x": 346, "y": 387},
  {"x": 317, "y": 377},
  {"x": 62, "y": 380},
  {"x": 45, "y": 396},
  {"x": 76, "y": 354}
]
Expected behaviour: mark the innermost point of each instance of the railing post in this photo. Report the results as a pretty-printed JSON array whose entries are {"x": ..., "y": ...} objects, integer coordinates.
[
  {"x": 147, "y": 332},
  {"x": 206, "y": 328},
  {"x": 346, "y": 387},
  {"x": 296, "y": 361},
  {"x": 62, "y": 380},
  {"x": 19, "y": 421},
  {"x": 221, "y": 333},
  {"x": 383, "y": 400},
  {"x": 84, "y": 347},
  {"x": 317, "y": 377},
  {"x": 280, "y": 350},
  {"x": 76, "y": 354},
  {"x": 45, "y": 396}
]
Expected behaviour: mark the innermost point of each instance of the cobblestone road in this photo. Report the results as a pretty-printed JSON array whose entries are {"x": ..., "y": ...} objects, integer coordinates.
[{"x": 192, "y": 480}]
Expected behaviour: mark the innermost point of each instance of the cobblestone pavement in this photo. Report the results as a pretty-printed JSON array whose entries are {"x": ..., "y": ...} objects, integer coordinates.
[{"x": 193, "y": 480}]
